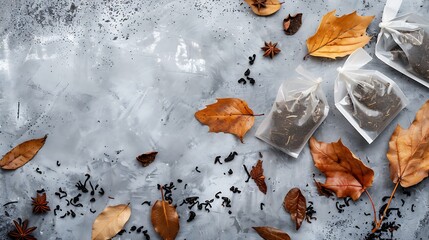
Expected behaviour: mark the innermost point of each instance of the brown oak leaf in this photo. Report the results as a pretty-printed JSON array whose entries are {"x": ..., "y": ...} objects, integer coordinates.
[
  {"x": 22, "y": 154},
  {"x": 409, "y": 150},
  {"x": 229, "y": 115},
  {"x": 257, "y": 174},
  {"x": 295, "y": 204},
  {"x": 147, "y": 158},
  {"x": 291, "y": 24},
  {"x": 346, "y": 175},
  {"x": 270, "y": 233},
  {"x": 339, "y": 36}
]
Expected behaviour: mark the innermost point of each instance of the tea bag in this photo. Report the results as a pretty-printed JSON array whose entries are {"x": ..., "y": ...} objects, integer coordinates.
[
  {"x": 300, "y": 107},
  {"x": 403, "y": 42},
  {"x": 368, "y": 99}
]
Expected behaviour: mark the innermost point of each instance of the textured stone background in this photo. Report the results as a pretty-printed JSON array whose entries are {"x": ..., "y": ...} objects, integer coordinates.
[{"x": 108, "y": 80}]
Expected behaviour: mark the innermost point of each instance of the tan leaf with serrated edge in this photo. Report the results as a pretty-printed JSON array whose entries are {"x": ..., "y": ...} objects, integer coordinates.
[
  {"x": 409, "y": 150},
  {"x": 295, "y": 204},
  {"x": 346, "y": 175},
  {"x": 270, "y": 233},
  {"x": 22, "y": 154},
  {"x": 264, "y": 7},
  {"x": 110, "y": 221},
  {"x": 229, "y": 115},
  {"x": 339, "y": 36}
]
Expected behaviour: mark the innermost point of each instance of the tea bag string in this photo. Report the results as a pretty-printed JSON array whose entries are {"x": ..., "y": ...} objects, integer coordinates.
[
  {"x": 355, "y": 61},
  {"x": 390, "y": 11},
  {"x": 387, "y": 26}
]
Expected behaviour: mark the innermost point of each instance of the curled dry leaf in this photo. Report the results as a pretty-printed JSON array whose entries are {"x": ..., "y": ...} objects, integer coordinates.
[
  {"x": 339, "y": 36},
  {"x": 346, "y": 175},
  {"x": 264, "y": 7},
  {"x": 409, "y": 150},
  {"x": 257, "y": 174},
  {"x": 110, "y": 221},
  {"x": 295, "y": 204},
  {"x": 147, "y": 158},
  {"x": 270, "y": 233},
  {"x": 322, "y": 190},
  {"x": 22, "y": 154},
  {"x": 165, "y": 219},
  {"x": 229, "y": 115},
  {"x": 291, "y": 24}
]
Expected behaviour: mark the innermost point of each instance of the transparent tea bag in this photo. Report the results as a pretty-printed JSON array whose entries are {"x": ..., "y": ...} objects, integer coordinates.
[
  {"x": 403, "y": 42},
  {"x": 299, "y": 109},
  {"x": 368, "y": 99}
]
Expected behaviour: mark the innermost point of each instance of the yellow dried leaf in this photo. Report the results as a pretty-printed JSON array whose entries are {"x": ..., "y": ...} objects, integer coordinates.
[
  {"x": 409, "y": 150},
  {"x": 110, "y": 222},
  {"x": 22, "y": 154},
  {"x": 264, "y": 7},
  {"x": 339, "y": 36}
]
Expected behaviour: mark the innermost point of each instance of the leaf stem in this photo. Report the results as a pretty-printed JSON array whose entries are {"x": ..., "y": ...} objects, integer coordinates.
[
  {"x": 373, "y": 206},
  {"x": 162, "y": 194},
  {"x": 378, "y": 223}
]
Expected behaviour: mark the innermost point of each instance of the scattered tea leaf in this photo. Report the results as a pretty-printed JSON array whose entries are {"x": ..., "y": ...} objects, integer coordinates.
[
  {"x": 270, "y": 233},
  {"x": 323, "y": 191},
  {"x": 346, "y": 175},
  {"x": 229, "y": 115},
  {"x": 165, "y": 219},
  {"x": 22, "y": 154},
  {"x": 339, "y": 36},
  {"x": 264, "y": 7},
  {"x": 147, "y": 158},
  {"x": 295, "y": 204},
  {"x": 110, "y": 221},
  {"x": 291, "y": 24},
  {"x": 409, "y": 150},
  {"x": 257, "y": 174}
]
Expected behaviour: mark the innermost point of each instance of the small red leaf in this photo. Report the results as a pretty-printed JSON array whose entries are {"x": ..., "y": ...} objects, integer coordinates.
[
  {"x": 147, "y": 158},
  {"x": 257, "y": 175}
]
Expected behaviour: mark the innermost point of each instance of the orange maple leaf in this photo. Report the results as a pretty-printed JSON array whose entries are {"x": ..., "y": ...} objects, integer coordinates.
[
  {"x": 346, "y": 175},
  {"x": 229, "y": 115}
]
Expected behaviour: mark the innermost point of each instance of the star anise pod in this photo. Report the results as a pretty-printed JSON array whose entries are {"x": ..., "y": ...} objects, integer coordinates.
[
  {"x": 40, "y": 204},
  {"x": 259, "y": 4},
  {"x": 270, "y": 49},
  {"x": 22, "y": 232}
]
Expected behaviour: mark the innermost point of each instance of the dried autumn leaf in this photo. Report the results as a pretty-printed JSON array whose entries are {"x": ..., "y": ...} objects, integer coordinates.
[
  {"x": 110, "y": 221},
  {"x": 229, "y": 115},
  {"x": 339, "y": 36},
  {"x": 147, "y": 158},
  {"x": 270, "y": 233},
  {"x": 322, "y": 190},
  {"x": 264, "y": 7},
  {"x": 346, "y": 175},
  {"x": 296, "y": 205},
  {"x": 165, "y": 219},
  {"x": 257, "y": 174},
  {"x": 22, "y": 154},
  {"x": 409, "y": 150},
  {"x": 291, "y": 24}
]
